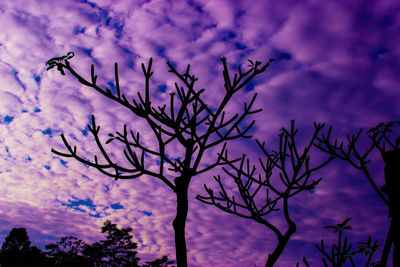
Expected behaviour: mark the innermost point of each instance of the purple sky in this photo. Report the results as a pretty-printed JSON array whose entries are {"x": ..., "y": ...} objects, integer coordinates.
[{"x": 336, "y": 62}]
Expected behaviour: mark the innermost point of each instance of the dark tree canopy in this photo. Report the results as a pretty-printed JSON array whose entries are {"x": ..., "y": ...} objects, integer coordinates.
[
  {"x": 17, "y": 251},
  {"x": 17, "y": 239},
  {"x": 67, "y": 245},
  {"x": 116, "y": 250},
  {"x": 68, "y": 251}
]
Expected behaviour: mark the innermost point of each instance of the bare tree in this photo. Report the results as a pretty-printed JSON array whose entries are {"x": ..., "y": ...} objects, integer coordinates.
[
  {"x": 262, "y": 193},
  {"x": 384, "y": 139},
  {"x": 188, "y": 121}
]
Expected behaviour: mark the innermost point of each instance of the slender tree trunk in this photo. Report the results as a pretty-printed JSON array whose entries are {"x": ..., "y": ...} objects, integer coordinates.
[
  {"x": 396, "y": 255},
  {"x": 282, "y": 242},
  {"x": 179, "y": 223},
  {"x": 387, "y": 247}
]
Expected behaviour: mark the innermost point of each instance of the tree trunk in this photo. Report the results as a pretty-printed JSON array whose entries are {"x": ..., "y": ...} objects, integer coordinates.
[
  {"x": 282, "y": 242},
  {"x": 179, "y": 223}
]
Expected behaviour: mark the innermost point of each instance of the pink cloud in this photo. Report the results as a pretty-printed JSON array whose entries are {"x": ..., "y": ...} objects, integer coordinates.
[{"x": 334, "y": 64}]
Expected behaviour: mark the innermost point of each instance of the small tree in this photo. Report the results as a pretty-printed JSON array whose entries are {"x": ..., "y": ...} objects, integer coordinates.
[
  {"x": 17, "y": 239},
  {"x": 340, "y": 252},
  {"x": 343, "y": 250},
  {"x": 188, "y": 122},
  {"x": 294, "y": 168},
  {"x": 116, "y": 250},
  {"x": 17, "y": 251}
]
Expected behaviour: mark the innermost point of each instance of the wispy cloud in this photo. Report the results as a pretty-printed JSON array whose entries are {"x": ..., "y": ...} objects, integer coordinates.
[{"x": 335, "y": 62}]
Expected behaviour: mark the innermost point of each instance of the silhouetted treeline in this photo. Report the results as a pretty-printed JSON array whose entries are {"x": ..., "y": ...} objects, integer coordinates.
[{"x": 117, "y": 249}]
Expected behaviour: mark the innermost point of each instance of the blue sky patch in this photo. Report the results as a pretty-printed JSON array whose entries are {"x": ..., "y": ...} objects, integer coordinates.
[
  {"x": 76, "y": 203},
  {"x": 375, "y": 54},
  {"x": 229, "y": 35},
  {"x": 7, "y": 119},
  {"x": 92, "y": 5},
  {"x": 386, "y": 21},
  {"x": 118, "y": 29},
  {"x": 162, "y": 88},
  {"x": 86, "y": 51},
  {"x": 131, "y": 64},
  {"x": 250, "y": 86},
  {"x": 37, "y": 78},
  {"x": 112, "y": 87},
  {"x": 116, "y": 206},
  {"x": 107, "y": 22},
  {"x": 196, "y": 6},
  {"x": 147, "y": 213},
  {"x": 79, "y": 30},
  {"x": 47, "y": 131},
  {"x": 282, "y": 55},
  {"x": 19, "y": 81},
  {"x": 240, "y": 46},
  {"x": 160, "y": 51}
]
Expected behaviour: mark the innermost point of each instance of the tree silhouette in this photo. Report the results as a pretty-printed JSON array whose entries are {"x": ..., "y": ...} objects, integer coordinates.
[
  {"x": 384, "y": 139},
  {"x": 116, "y": 250},
  {"x": 17, "y": 239},
  {"x": 69, "y": 251},
  {"x": 17, "y": 251},
  {"x": 342, "y": 251},
  {"x": 262, "y": 193},
  {"x": 188, "y": 123}
]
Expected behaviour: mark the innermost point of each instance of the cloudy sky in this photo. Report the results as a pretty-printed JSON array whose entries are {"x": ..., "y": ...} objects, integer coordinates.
[{"x": 335, "y": 62}]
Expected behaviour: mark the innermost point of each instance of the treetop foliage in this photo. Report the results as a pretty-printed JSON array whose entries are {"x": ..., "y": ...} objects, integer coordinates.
[{"x": 117, "y": 249}]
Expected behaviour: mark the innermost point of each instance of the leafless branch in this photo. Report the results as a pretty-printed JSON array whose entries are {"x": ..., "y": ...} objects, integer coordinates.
[
  {"x": 381, "y": 137},
  {"x": 293, "y": 167},
  {"x": 188, "y": 122}
]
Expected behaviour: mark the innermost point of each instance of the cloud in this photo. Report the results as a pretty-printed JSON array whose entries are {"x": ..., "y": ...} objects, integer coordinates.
[
  {"x": 11, "y": 104},
  {"x": 334, "y": 64}
]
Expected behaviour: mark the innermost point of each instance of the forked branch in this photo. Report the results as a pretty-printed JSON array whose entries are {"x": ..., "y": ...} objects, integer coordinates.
[
  {"x": 294, "y": 172},
  {"x": 381, "y": 137},
  {"x": 187, "y": 128}
]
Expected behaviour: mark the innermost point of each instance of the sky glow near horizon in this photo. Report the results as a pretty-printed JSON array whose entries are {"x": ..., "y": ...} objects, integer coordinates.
[{"x": 336, "y": 62}]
